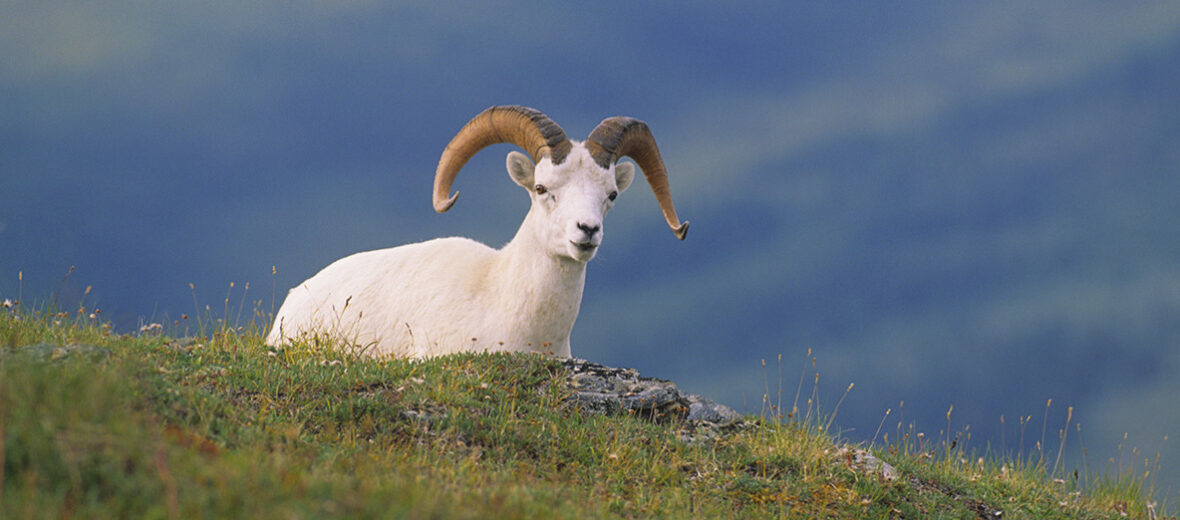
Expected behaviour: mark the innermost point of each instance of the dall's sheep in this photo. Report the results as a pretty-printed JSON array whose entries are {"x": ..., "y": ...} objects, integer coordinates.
[{"x": 454, "y": 294}]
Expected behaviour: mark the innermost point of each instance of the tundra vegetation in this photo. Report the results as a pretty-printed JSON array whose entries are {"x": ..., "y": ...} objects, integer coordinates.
[{"x": 96, "y": 424}]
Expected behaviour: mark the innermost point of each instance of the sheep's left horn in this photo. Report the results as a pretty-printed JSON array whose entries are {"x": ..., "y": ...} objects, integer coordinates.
[
  {"x": 522, "y": 126},
  {"x": 617, "y": 137}
]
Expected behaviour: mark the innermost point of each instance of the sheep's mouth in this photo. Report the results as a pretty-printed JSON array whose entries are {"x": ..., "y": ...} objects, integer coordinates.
[{"x": 584, "y": 247}]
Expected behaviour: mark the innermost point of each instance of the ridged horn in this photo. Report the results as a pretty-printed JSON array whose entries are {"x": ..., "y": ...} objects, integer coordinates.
[
  {"x": 522, "y": 126},
  {"x": 618, "y": 137}
]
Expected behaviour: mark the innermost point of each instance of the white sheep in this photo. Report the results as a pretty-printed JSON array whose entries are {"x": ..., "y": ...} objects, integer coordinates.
[{"x": 454, "y": 294}]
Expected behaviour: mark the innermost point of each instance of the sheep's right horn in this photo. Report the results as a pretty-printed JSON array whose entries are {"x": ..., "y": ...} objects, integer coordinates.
[
  {"x": 616, "y": 137},
  {"x": 522, "y": 126}
]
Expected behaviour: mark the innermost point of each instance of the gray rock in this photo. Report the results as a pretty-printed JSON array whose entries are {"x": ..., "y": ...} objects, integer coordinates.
[
  {"x": 862, "y": 461},
  {"x": 601, "y": 389},
  {"x": 705, "y": 410}
]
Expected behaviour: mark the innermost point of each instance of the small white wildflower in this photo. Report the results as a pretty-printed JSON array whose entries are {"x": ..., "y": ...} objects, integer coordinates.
[{"x": 7, "y": 303}]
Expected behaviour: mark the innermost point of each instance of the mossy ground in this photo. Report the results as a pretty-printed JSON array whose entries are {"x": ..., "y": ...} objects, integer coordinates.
[{"x": 225, "y": 427}]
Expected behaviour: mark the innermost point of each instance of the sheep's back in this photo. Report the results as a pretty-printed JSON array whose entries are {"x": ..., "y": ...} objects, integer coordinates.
[{"x": 402, "y": 301}]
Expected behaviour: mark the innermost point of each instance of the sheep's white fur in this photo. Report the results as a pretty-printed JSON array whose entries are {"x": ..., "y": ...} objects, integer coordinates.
[{"x": 454, "y": 294}]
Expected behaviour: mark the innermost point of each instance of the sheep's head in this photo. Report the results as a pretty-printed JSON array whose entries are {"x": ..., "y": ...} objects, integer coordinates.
[
  {"x": 570, "y": 199},
  {"x": 571, "y": 184}
]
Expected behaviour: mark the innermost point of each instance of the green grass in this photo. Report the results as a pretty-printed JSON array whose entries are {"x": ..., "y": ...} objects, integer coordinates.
[{"x": 225, "y": 427}]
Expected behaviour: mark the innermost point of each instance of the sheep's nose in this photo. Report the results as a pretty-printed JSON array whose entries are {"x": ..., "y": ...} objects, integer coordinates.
[{"x": 589, "y": 229}]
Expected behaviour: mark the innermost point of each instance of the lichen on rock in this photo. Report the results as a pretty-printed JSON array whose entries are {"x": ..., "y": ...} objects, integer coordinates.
[{"x": 607, "y": 390}]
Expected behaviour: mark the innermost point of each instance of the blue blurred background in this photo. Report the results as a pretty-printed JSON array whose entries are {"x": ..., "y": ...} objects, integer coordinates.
[{"x": 967, "y": 204}]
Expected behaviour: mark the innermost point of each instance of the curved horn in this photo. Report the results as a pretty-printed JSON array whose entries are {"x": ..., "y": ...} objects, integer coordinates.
[
  {"x": 617, "y": 137},
  {"x": 522, "y": 126}
]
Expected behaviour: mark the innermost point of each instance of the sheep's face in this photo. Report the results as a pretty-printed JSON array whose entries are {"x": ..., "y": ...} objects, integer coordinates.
[{"x": 569, "y": 200}]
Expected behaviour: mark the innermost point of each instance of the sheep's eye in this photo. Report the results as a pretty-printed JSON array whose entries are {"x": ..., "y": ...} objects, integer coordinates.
[
  {"x": 540, "y": 189},
  {"x": 613, "y": 194}
]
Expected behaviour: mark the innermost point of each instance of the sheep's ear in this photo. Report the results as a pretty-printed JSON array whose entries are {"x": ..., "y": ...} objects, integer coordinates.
[
  {"x": 520, "y": 168},
  {"x": 624, "y": 174}
]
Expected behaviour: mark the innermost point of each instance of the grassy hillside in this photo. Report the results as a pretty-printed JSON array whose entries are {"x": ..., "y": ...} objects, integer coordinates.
[{"x": 96, "y": 425}]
